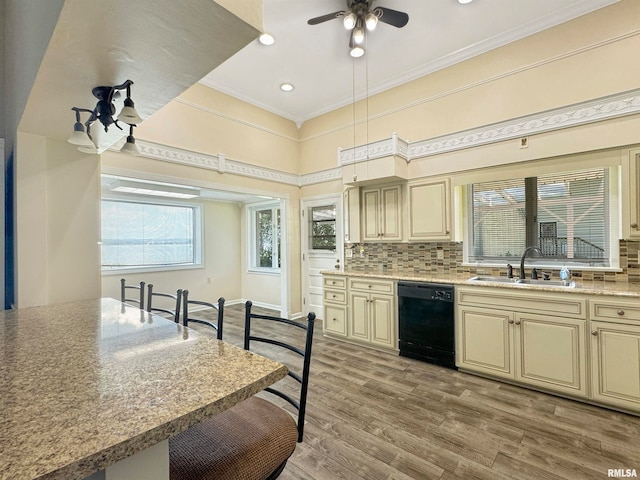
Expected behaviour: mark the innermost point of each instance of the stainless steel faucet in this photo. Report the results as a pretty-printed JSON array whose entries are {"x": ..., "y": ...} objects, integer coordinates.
[{"x": 524, "y": 254}]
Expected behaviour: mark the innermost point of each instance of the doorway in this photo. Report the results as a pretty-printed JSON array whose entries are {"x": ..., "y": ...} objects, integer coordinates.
[{"x": 322, "y": 246}]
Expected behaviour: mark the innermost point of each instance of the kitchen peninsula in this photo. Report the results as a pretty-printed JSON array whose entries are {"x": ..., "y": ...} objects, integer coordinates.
[{"x": 87, "y": 384}]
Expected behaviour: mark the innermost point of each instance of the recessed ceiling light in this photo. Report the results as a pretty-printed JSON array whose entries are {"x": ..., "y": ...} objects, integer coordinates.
[
  {"x": 266, "y": 39},
  {"x": 464, "y": 1},
  {"x": 286, "y": 87}
]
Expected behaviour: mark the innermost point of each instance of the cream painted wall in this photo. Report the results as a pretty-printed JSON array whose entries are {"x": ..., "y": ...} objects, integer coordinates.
[
  {"x": 222, "y": 257},
  {"x": 583, "y": 59},
  {"x": 57, "y": 222}
]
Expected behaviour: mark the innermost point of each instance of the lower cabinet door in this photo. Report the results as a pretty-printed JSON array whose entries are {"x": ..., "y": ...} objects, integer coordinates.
[
  {"x": 551, "y": 353},
  {"x": 359, "y": 316},
  {"x": 383, "y": 320},
  {"x": 335, "y": 319},
  {"x": 483, "y": 342},
  {"x": 615, "y": 364}
]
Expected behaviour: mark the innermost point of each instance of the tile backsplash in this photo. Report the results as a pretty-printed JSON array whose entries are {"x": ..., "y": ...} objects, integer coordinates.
[{"x": 446, "y": 258}]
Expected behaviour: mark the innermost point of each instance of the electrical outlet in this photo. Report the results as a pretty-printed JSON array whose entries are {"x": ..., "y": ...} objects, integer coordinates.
[
  {"x": 349, "y": 253},
  {"x": 361, "y": 252},
  {"x": 440, "y": 254}
]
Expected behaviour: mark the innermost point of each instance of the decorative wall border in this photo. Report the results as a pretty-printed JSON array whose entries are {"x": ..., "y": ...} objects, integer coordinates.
[
  {"x": 597, "y": 110},
  {"x": 604, "y": 108},
  {"x": 222, "y": 164},
  {"x": 600, "y": 109}
]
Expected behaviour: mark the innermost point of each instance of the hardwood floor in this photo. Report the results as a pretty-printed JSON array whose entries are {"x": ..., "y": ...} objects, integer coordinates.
[{"x": 378, "y": 416}]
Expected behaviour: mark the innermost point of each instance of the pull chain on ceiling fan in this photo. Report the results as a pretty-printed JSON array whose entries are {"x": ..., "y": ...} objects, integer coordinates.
[{"x": 359, "y": 17}]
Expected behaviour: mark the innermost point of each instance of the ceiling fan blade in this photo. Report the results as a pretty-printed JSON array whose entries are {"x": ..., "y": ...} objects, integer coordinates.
[
  {"x": 392, "y": 17},
  {"x": 325, "y": 18}
]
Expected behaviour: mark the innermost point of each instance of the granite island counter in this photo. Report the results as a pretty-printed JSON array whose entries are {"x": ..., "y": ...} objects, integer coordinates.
[{"x": 86, "y": 384}]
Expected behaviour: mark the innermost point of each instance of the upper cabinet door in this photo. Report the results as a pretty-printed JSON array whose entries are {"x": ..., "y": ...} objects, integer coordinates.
[
  {"x": 382, "y": 213},
  {"x": 430, "y": 210}
]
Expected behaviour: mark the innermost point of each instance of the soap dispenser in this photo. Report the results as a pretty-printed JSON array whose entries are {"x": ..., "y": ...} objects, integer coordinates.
[{"x": 565, "y": 275}]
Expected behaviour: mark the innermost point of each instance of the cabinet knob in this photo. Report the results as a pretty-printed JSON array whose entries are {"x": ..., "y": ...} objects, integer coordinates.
[
  {"x": 594, "y": 333},
  {"x": 333, "y": 283},
  {"x": 517, "y": 322},
  {"x": 511, "y": 322},
  {"x": 334, "y": 319},
  {"x": 620, "y": 312},
  {"x": 634, "y": 225},
  {"x": 333, "y": 296},
  {"x": 370, "y": 286}
]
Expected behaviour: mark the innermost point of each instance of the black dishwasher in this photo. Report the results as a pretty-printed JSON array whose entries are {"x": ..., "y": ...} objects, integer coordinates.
[{"x": 426, "y": 322}]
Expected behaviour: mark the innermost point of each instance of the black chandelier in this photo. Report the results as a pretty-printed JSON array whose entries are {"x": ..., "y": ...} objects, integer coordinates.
[{"x": 104, "y": 112}]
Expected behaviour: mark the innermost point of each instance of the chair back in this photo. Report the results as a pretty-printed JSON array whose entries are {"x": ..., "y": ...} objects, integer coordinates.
[
  {"x": 188, "y": 314},
  {"x": 176, "y": 297},
  {"x": 270, "y": 337},
  {"x": 123, "y": 293}
]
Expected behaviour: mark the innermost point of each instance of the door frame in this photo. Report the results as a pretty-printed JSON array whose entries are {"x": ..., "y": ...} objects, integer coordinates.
[{"x": 305, "y": 204}]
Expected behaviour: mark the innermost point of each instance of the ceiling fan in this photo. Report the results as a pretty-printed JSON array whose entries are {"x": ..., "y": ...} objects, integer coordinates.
[{"x": 361, "y": 16}]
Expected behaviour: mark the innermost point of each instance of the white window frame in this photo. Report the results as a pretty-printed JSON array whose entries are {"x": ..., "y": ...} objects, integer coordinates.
[
  {"x": 251, "y": 210},
  {"x": 614, "y": 220},
  {"x": 198, "y": 236}
]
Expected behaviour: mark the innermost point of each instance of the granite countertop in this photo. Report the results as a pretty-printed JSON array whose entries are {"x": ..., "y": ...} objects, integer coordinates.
[
  {"x": 85, "y": 384},
  {"x": 618, "y": 289}
]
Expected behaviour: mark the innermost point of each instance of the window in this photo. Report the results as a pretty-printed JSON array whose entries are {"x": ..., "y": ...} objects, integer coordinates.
[
  {"x": 265, "y": 237},
  {"x": 139, "y": 235},
  {"x": 566, "y": 215},
  {"x": 323, "y": 228}
]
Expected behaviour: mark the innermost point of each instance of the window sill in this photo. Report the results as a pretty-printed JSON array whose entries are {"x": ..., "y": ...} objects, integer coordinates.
[
  {"x": 163, "y": 268},
  {"x": 547, "y": 266},
  {"x": 264, "y": 271}
]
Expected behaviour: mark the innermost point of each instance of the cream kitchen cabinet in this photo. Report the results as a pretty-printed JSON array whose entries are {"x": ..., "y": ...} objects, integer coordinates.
[
  {"x": 372, "y": 312},
  {"x": 430, "y": 210},
  {"x": 381, "y": 213},
  {"x": 361, "y": 310},
  {"x": 615, "y": 352},
  {"x": 334, "y": 291},
  {"x": 631, "y": 195},
  {"x": 532, "y": 338}
]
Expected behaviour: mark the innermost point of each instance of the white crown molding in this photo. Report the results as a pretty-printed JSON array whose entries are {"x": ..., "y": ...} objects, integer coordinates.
[{"x": 605, "y": 108}]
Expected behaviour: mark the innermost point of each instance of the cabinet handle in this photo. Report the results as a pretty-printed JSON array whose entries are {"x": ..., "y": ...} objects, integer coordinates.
[
  {"x": 594, "y": 333},
  {"x": 510, "y": 322},
  {"x": 634, "y": 225},
  {"x": 517, "y": 322},
  {"x": 620, "y": 312}
]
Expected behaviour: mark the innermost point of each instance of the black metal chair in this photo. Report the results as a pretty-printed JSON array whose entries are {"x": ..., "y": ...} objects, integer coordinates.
[
  {"x": 188, "y": 315},
  {"x": 174, "y": 312},
  {"x": 254, "y": 439},
  {"x": 136, "y": 301}
]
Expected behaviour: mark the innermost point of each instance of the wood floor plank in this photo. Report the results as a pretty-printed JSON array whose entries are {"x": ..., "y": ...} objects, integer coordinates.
[{"x": 377, "y": 416}]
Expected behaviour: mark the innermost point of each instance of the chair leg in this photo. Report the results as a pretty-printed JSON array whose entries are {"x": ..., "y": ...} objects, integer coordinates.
[{"x": 278, "y": 471}]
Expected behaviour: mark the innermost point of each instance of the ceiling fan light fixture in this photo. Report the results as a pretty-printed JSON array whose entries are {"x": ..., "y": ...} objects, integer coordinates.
[
  {"x": 357, "y": 51},
  {"x": 349, "y": 20},
  {"x": 358, "y": 35},
  {"x": 371, "y": 21}
]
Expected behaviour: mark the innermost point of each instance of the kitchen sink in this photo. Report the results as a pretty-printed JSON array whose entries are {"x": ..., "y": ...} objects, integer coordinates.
[
  {"x": 493, "y": 279},
  {"x": 526, "y": 281}
]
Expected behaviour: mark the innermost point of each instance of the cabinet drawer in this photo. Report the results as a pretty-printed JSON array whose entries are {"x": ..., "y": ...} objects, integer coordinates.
[
  {"x": 618, "y": 311},
  {"x": 374, "y": 286},
  {"x": 335, "y": 319},
  {"x": 335, "y": 296},
  {"x": 567, "y": 305},
  {"x": 334, "y": 282}
]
